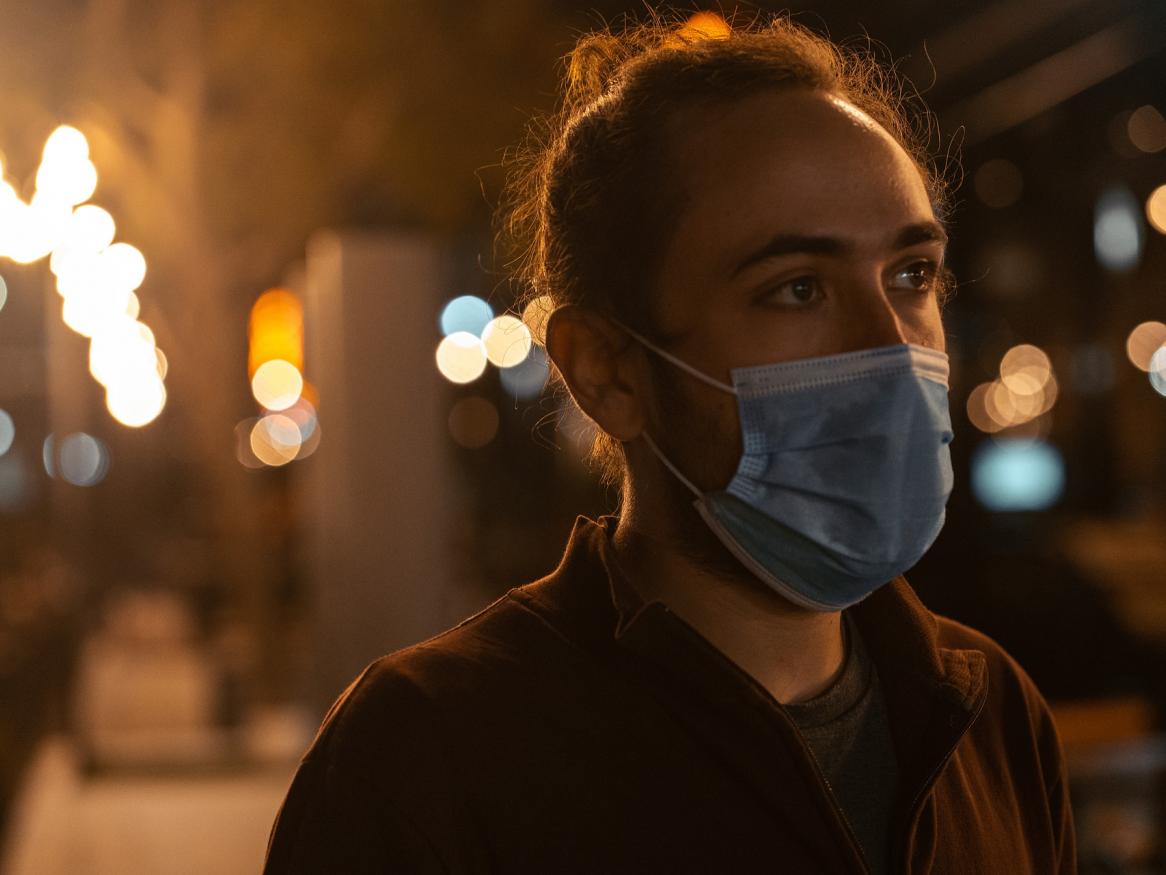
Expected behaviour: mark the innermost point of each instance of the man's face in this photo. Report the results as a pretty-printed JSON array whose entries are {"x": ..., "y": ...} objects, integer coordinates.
[{"x": 807, "y": 231}]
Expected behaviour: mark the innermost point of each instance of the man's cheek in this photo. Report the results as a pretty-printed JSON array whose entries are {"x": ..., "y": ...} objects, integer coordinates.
[{"x": 724, "y": 452}]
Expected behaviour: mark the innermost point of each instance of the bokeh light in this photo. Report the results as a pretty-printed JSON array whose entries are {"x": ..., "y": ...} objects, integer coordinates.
[
  {"x": 1156, "y": 209},
  {"x": 3, "y": 293},
  {"x": 1036, "y": 428},
  {"x": 7, "y": 432},
  {"x": 123, "y": 266},
  {"x": 303, "y": 413},
  {"x": 275, "y": 330},
  {"x": 66, "y": 180},
  {"x": 473, "y": 422},
  {"x": 91, "y": 227},
  {"x": 1024, "y": 369},
  {"x": 507, "y": 341},
  {"x": 1017, "y": 474},
  {"x": 91, "y": 313},
  {"x": 243, "y": 451},
  {"x": 535, "y": 315},
  {"x": 47, "y": 454},
  {"x": 1158, "y": 371},
  {"x": 310, "y": 443},
  {"x": 1025, "y": 390},
  {"x": 66, "y": 143},
  {"x": 289, "y": 428},
  {"x": 1147, "y": 129},
  {"x": 122, "y": 350},
  {"x": 82, "y": 459},
  {"x": 1117, "y": 230},
  {"x": 460, "y": 357},
  {"x": 15, "y": 483},
  {"x": 998, "y": 183},
  {"x": 1145, "y": 340},
  {"x": 275, "y": 439},
  {"x": 311, "y": 395},
  {"x": 977, "y": 407},
  {"x": 136, "y": 402},
  {"x": 277, "y": 384},
  {"x": 467, "y": 313},
  {"x": 31, "y": 231},
  {"x": 526, "y": 380}
]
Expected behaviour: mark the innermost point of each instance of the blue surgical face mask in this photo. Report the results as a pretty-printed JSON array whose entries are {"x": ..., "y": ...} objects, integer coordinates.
[{"x": 844, "y": 473}]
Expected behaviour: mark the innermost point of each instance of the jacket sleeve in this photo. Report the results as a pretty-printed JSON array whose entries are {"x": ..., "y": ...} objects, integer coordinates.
[{"x": 370, "y": 794}]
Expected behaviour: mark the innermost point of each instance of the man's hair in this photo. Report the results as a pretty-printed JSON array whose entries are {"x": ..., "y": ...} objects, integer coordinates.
[{"x": 590, "y": 204}]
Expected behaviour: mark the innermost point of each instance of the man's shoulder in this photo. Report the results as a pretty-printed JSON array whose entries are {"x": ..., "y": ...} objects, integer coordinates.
[
  {"x": 494, "y": 645},
  {"x": 500, "y": 654},
  {"x": 393, "y": 751}
]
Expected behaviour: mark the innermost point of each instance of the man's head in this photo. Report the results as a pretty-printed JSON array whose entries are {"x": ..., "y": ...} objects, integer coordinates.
[{"x": 740, "y": 201}]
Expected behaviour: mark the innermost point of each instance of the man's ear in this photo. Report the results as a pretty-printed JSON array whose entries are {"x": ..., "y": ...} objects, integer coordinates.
[{"x": 598, "y": 365}]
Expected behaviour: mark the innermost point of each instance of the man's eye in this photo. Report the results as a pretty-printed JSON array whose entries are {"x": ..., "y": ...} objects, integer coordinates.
[
  {"x": 797, "y": 292},
  {"x": 921, "y": 276}
]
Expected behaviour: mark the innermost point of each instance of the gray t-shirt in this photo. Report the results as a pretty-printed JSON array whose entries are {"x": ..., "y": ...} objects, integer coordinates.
[{"x": 846, "y": 728}]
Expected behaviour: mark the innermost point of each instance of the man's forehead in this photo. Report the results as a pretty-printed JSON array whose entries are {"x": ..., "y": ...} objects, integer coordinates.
[
  {"x": 801, "y": 149},
  {"x": 796, "y": 165}
]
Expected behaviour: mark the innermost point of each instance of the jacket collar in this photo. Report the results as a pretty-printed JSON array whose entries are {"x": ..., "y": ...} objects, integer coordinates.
[
  {"x": 902, "y": 634},
  {"x": 932, "y": 693}
]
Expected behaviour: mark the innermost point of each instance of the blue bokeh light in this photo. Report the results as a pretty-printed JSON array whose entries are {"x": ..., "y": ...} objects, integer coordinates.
[
  {"x": 84, "y": 459},
  {"x": 7, "y": 432},
  {"x": 1017, "y": 474},
  {"x": 1118, "y": 233},
  {"x": 466, "y": 313},
  {"x": 525, "y": 380},
  {"x": 15, "y": 483}
]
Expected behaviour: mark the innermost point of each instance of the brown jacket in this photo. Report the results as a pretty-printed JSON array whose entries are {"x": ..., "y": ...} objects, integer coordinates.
[{"x": 570, "y": 728}]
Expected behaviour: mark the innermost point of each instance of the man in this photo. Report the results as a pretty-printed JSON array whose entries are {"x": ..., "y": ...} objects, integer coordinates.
[{"x": 731, "y": 675}]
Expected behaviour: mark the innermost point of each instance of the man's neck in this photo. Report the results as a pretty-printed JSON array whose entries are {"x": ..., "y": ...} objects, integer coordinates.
[{"x": 793, "y": 652}]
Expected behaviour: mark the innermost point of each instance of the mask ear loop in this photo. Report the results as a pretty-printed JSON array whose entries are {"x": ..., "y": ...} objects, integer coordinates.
[
  {"x": 680, "y": 363},
  {"x": 667, "y": 464},
  {"x": 689, "y": 369}
]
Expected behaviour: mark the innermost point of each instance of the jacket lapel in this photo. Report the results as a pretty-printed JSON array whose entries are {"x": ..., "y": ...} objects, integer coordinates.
[{"x": 933, "y": 695}]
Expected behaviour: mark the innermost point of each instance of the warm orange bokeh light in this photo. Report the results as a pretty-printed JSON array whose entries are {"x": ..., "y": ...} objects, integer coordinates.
[
  {"x": 1023, "y": 393},
  {"x": 276, "y": 330},
  {"x": 1156, "y": 209},
  {"x": 1145, "y": 340}
]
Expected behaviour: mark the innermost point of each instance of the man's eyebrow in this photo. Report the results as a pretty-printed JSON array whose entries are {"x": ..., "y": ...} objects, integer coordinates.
[{"x": 788, "y": 244}]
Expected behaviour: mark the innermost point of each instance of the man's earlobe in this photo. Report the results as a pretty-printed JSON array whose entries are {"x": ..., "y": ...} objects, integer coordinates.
[{"x": 591, "y": 355}]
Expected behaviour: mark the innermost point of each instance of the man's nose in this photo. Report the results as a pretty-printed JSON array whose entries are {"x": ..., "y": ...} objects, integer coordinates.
[{"x": 872, "y": 320}]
